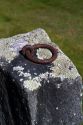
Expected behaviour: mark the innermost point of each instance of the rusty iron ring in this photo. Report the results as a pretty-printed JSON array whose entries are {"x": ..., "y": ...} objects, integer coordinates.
[{"x": 29, "y": 52}]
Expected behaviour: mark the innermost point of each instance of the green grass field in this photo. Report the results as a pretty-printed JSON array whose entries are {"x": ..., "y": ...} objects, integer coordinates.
[{"x": 62, "y": 19}]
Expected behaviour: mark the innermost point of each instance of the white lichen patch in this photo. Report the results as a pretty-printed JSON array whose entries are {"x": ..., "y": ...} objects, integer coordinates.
[
  {"x": 57, "y": 108},
  {"x": 20, "y": 71},
  {"x": 81, "y": 94},
  {"x": 58, "y": 85},
  {"x": 43, "y": 54},
  {"x": 31, "y": 84},
  {"x": 18, "y": 68},
  {"x": 5, "y": 51},
  {"x": 21, "y": 80},
  {"x": 62, "y": 66},
  {"x": 34, "y": 83},
  {"x": 74, "y": 114},
  {"x": 44, "y": 75}
]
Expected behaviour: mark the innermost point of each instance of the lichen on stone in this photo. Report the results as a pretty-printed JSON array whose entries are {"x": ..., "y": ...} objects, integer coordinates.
[
  {"x": 31, "y": 84},
  {"x": 62, "y": 67}
]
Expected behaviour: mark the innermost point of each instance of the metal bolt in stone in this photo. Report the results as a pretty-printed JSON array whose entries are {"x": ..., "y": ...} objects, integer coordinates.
[{"x": 29, "y": 52}]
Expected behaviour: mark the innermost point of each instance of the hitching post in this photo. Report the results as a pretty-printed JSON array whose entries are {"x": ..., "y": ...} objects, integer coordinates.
[{"x": 39, "y": 85}]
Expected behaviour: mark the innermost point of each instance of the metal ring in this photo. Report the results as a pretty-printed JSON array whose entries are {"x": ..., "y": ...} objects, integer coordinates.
[{"x": 29, "y": 52}]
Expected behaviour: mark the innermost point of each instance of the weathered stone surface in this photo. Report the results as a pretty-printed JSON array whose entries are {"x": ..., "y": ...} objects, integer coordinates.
[
  {"x": 40, "y": 94},
  {"x": 5, "y": 111}
]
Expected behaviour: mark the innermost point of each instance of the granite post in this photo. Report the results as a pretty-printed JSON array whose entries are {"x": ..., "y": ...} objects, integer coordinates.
[{"x": 37, "y": 94}]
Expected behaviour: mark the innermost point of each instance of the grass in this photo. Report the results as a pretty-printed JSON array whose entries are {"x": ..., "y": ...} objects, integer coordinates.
[{"x": 62, "y": 19}]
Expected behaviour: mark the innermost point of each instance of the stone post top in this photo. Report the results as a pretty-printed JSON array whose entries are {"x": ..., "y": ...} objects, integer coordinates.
[{"x": 9, "y": 50}]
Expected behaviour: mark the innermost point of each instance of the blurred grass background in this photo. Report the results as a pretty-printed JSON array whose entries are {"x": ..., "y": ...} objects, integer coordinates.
[{"x": 62, "y": 19}]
